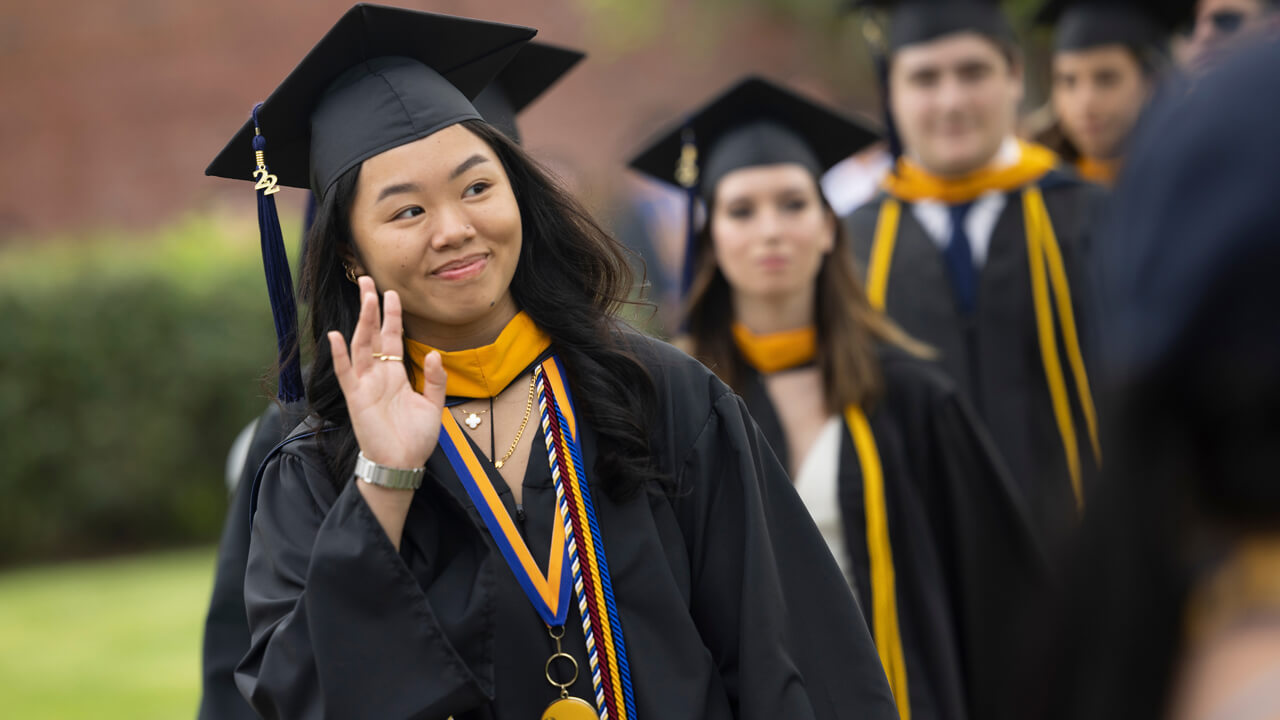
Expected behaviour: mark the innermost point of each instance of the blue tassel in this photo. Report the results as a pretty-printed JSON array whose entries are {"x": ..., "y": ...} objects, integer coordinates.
[{"x": 284, "y": 309}]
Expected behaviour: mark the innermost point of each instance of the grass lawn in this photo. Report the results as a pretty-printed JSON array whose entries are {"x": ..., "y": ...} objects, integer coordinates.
[{"x": 105, "y": 639}]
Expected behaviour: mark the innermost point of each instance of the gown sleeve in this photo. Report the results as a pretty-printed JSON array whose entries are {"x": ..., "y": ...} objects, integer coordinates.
[
  {"x": 779, "y": 620},
  {"x": 994, "y": 556},
  {"x": 341, "y": 628}
]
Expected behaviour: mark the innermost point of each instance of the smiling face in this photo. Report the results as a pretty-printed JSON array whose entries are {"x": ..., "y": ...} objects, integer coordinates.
[
  {"x": 1098, "y": 95},
  {"x": 436, "y": 220},
  {"x": 770, "y": 231},
  {"x": 954, "y": 100}
]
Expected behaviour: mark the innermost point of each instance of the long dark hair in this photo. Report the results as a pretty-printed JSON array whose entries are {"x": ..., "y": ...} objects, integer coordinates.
[
  {"x": 571, "y": 279},
  {"x": 848, "y": 328}
]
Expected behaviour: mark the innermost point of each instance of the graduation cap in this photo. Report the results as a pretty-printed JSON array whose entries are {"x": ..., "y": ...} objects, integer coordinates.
[
  {"x": 918, "y": 21},
  {"x": 536, "y": 68},
  {"x": 380, "y": 78},
  {"x": 754, "y": 122},
  {"x": 1139, "y": 24}
]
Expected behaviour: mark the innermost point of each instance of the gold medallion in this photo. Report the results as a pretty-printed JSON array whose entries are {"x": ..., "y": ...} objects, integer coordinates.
[{"x": 569, "y": 708}]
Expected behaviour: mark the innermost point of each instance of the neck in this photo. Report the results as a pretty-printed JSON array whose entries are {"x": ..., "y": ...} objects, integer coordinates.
[
  {"x": 449, "y": 337},
  {"x": 1006, "y": 154},
  {"x": 764, "y": 315}
]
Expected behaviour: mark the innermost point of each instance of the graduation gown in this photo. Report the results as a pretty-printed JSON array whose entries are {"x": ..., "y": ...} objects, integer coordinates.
[
  {"x": 962, "y": 544},
  {"x": 730, "y": 603},
  {"x": 993, "y": 354},
  {"x": 226, "y": 628}
]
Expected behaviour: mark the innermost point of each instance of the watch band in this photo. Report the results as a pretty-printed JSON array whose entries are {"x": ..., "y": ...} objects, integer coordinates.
[{"x": 387, "y": 477}]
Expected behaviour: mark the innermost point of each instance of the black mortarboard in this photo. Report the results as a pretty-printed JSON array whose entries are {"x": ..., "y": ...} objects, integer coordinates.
[
  {"x": 380, "y": 78},
  {"x": 536, "y": 68},
  {"x": 1140, "y": 24},
  {"x": 917, "y": 21},
  {"x": 755, "y": 122}
]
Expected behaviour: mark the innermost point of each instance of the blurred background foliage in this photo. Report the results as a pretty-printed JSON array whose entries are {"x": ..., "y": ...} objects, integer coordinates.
[{"x": 129, "y": 364}]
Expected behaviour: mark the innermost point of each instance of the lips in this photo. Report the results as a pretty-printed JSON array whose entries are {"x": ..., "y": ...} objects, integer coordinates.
[
  {"x": 773, "y": 262},
  {"x": 462, "y": 268}
]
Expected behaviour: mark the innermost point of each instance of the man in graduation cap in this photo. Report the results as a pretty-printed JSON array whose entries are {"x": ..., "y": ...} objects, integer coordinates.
[
  {"x": 535, "y": 69},
  {"x": 977, "y": 244},
  {"x": 1108, "y": 58}
]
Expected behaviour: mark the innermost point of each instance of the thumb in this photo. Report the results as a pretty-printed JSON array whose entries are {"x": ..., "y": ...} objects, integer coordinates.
[{"x": 433, "y": 378}]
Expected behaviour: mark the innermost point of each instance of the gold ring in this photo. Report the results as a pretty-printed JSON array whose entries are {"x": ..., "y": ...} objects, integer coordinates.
[{"x": 389, "y": 358}]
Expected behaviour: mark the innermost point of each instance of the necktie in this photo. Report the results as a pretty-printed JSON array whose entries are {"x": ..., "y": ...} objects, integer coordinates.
[{"x": 958, "y": 257}]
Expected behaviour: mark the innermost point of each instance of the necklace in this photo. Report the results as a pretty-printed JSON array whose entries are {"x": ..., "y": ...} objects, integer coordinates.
[
  {"x": 473, "y": 420},
  {"x": 528, "y": 408}
]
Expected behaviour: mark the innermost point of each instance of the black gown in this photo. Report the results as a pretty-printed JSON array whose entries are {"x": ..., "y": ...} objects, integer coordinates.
[
  {"x": 226, "y": 628},
  {"x": 963, "y": 547},
  {"x": 993, "y": 354},
  {"x": 731, "y": 605}
]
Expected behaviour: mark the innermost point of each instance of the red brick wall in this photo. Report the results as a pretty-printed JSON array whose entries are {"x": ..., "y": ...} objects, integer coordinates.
[{"x": 112, "y": 108}]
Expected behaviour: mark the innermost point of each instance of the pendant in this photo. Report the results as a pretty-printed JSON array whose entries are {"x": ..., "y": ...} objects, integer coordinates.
[
  {"x": 498, "y": 464},
  {"x": 472, "y": 421},
  {"x": 569, "y": 708}
]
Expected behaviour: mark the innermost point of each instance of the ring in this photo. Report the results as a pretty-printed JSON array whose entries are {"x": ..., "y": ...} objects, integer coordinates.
[{"x": 389, "y": 358}]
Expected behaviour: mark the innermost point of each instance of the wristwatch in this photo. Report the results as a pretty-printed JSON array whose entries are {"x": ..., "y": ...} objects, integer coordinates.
[{"x": 387, "y": 477}]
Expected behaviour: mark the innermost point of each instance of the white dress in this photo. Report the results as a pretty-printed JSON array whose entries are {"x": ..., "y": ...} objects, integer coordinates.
[{"x": 817, "y": 482}]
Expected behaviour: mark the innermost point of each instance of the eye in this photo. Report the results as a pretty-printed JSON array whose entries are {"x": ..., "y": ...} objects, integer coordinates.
[
  {"x": 409, "y": 212},
  {"x": 795, "y": 204},
  {"x": 476, "y": 188},
  {"x": 740, "y": 212}
]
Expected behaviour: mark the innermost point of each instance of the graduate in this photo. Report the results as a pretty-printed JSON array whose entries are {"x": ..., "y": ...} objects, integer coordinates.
[
  {"x": 537, "y": 67},
  {"x": 977, "y": 247},
  {"x": 904, "y": 485},
  {"x": 1108, "y": 58},
  {"x": 505, "y": 503},
  {"x": 1173, "y": 606}
]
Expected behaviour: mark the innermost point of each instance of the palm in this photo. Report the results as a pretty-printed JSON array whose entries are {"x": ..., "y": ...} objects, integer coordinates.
[{"x": 394, "y": 424}]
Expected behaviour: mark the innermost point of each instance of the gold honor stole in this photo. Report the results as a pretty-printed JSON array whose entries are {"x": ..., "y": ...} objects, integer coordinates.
[
  {"x": 779, "y": 351},
  {"x": 1043, "y": 252}
]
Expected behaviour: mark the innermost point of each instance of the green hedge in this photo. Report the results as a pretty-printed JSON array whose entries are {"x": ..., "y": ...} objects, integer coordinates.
[{"x": 127, "y": 367}]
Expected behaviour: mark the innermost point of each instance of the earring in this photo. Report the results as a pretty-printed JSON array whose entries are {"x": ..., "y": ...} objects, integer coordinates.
[{"x": 351, "y": 273}]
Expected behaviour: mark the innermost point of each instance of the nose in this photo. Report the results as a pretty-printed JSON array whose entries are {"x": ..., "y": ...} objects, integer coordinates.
[
  {"x": 769, "y": 225},
  {"x": 452, "y": 229}
]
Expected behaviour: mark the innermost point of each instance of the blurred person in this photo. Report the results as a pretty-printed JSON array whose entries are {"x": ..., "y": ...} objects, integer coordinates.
[
  {"x": 226, "y": 635},
  {"x": 856, "y": 179},
  {"x": 1223, "y": 24},
  {"x": 1108, "y": 60},
  {"x": 903, "y": 483},
  {"x": 390, "y": 568},
  {"x": 1173, "y": 608},
  {"x": 977, "y": 246}
]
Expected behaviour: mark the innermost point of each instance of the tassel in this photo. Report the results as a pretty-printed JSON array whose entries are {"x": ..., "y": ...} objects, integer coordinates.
[
  {"x": 284, "y": 310},
  {"x": 687, "y": 176},
  {"x": 874, "y": 36}
]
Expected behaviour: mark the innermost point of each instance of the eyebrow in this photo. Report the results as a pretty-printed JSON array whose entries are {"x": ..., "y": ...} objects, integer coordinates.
[
  {"x": 396, "y": 190},
  {"x": 467, "y": 164}
]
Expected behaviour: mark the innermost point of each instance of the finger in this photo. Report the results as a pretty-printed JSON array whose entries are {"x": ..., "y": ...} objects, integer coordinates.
[
  {"x": 434, "y": 378},
  {"x": 366, "y": 330},
  {"x": 341, "y": 361},
  {"x": 390, "y": 338}
]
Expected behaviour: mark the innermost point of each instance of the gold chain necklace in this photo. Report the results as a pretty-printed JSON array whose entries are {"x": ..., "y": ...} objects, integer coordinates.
[{"x": 528, "y": 409}]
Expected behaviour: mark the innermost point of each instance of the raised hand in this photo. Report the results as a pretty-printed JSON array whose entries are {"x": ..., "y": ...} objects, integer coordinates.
[{"x": 394, "y": 424}]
